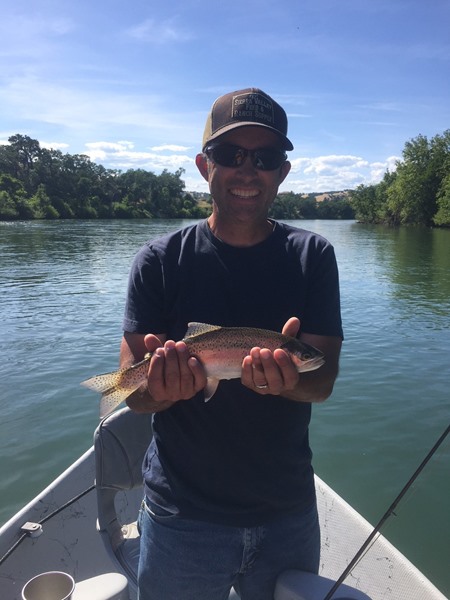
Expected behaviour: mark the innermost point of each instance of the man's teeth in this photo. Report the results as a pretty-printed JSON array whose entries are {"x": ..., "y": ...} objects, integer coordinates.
[{"x": 244, "y": 193}]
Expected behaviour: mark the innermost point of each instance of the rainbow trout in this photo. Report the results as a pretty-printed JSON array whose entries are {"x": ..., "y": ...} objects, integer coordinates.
[{"x": 221, "y": 351}]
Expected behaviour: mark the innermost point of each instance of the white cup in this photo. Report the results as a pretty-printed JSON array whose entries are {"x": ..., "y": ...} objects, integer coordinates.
[{"x": 54, "y": 585}]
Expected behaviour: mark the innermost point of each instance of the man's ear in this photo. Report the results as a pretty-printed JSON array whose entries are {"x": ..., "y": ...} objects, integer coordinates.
[
  {"x": 284, "y": 170},
  {"x": 202, "y": 165}
]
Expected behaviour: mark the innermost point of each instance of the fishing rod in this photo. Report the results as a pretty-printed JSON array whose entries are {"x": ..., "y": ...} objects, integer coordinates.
[{"x": 386, "y": 515}]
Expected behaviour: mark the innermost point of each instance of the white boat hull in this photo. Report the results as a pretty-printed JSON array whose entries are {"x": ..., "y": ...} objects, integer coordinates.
[{"x": 70, "y": 542}]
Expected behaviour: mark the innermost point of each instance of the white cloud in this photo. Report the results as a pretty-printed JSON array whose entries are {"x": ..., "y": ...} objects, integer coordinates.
[
  {"x": 170, "y": 148},
  {"x": 42, "y": 144},
  {"x": 122, "y": 155},
  {"x": 308, "y": 174},
  {"x": 21, "y": 27},
  {"x": 194, "y": 183},
  {"x": 158, "y": 33},
  {"x": 80, "y": 111},
  {"x": 298, "y": 116},
  {"x": 331, "y": 164},
  {"x": 378, "y": 169},
  {"x": 335, "y": 172},
  {"x": 53, "y": 145},
  {"x": 109, "y": 146},
  {"x": 34, "y": 37},
  {"x": 383, "y": 106}
]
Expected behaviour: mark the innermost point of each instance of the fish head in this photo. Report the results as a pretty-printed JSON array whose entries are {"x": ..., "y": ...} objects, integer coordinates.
[{"x": 304, "y": 356}]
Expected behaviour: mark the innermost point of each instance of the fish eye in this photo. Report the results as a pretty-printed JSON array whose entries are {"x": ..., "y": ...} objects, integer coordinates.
[{"x": 307, "y": 356}]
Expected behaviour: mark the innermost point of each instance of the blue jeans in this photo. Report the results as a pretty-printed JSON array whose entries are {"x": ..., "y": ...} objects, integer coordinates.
[{"x": 182, "y": 559}]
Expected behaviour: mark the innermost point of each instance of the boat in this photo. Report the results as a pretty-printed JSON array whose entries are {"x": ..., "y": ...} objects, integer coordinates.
[{"x": 84, "y": 524}]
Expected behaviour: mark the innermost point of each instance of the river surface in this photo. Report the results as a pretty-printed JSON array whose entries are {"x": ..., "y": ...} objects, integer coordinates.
[{"x": 62, "y": 291}]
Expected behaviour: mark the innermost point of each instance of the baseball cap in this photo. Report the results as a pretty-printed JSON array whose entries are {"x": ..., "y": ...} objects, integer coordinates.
[{"x": 246, "y": 107}]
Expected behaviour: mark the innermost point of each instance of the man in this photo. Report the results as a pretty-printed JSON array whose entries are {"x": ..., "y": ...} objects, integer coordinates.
[{"x": 229, "y": 489}]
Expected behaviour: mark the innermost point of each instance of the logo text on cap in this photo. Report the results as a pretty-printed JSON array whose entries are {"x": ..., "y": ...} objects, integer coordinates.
[{"x": 253, "y": 107}]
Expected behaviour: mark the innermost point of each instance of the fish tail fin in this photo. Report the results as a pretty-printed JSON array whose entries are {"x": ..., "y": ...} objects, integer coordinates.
[
  {"x": 115, "y": 387},
  {"x": 103, "y": 383},
  {"x": 110, "y": 400},
  {"x": 109, "y": 385}
]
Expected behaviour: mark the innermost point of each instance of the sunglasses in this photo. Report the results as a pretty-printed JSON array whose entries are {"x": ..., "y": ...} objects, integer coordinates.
[{"x": 229, "y": 155}]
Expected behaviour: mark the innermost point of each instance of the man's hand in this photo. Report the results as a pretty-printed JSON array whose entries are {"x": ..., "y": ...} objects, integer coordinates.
[
  {"x": 173, "y": 374},
  {"x": 268, "y": 372}
]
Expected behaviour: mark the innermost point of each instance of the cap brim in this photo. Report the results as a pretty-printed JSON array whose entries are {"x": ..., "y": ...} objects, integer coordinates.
[{"x": 287, "y": 144}]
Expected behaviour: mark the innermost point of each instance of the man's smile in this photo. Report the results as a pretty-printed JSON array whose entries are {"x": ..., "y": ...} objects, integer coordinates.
[{"x": 244, "y": 193}]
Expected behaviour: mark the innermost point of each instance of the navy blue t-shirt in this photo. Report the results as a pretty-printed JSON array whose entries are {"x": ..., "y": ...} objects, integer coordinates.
[{"x": 241, "y": 458}]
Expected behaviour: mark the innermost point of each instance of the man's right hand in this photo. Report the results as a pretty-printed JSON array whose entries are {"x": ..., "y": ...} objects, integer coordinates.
[{"x": 173, "y": 374}]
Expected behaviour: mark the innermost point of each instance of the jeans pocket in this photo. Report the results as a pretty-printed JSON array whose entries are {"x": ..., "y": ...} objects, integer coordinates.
[{"x": 155, "y": 512}]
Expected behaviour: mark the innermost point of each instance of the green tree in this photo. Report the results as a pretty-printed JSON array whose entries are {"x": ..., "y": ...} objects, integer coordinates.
[
  {"x": 442, "y": 216},
  {"x": 416, "y": 193},
  {"x": 285, "y": 206},
  {"x": 42, "y": 207},
  {"x": 335, "y": 208},
  {"x": 366, "y": 203},
  {"x": 11, "y": 185},
  {"x": 412, "y": 197},
  {"x": 308, "y": 207},
  {"x": 167, "y": 198},
  {"x": 8, "y": 208},
  {"x": 136, "y": 188},
  {"x": 21, "y": 155},
  {"x": 14, "y": 202}
]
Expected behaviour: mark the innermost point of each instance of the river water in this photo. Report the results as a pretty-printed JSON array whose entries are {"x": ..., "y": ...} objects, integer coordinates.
[{"x": 62, "y": 291}]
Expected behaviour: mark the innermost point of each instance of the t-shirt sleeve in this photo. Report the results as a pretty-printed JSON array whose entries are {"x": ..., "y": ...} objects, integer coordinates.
[
  {"x": 144, "y": 307},
  {"x": 322, "y": 314}
]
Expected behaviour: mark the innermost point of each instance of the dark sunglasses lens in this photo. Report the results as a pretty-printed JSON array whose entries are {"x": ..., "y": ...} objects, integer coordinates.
[
  {"x": 268, "y": 159},
  {"x": 228, "y": 155}
]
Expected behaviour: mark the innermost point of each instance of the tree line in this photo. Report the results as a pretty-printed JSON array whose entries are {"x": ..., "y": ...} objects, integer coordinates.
[
  {"x": 416, "y": 193},
  {"x": 41, "y": 183},
  {"x": 331, "y": 205}
]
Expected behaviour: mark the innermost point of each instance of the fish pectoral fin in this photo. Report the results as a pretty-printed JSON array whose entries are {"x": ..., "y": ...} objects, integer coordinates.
[{"x": 211, "y": 387}]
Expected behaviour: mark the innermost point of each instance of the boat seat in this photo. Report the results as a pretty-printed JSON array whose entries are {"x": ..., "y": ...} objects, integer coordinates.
[{"x": 120, "y": 443}]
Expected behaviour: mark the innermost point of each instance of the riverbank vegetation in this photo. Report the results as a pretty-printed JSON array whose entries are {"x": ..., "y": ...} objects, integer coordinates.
[
  {"x": 416, "y": 193},
  {"x": 41, "y": 183}
]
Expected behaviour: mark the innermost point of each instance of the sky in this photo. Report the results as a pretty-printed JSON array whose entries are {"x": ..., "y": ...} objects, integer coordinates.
[{"x": 130, "y": 83}]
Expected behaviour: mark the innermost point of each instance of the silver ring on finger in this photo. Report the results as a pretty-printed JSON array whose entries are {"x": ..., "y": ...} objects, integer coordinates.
[{"x": 262, "y": 387}]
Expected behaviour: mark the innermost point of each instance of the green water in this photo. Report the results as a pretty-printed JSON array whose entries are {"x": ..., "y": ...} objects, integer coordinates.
[{"x": 62, "y": 290}]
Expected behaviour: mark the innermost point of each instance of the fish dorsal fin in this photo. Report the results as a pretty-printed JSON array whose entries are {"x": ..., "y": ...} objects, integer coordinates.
[{"x": 195, "y": 328}]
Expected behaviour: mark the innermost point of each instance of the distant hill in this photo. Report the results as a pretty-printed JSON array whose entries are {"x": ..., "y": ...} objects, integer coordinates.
[
  {"x": 317, "y": 196},
  {"x": 321, "y": 196}
]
